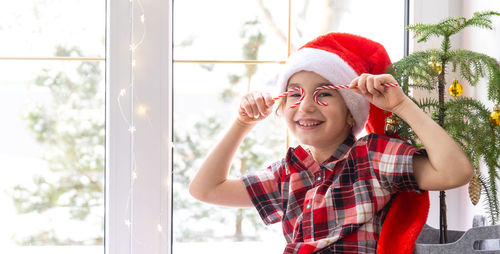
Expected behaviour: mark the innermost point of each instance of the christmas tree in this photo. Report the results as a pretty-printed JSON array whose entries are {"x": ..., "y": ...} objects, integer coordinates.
[{"x": 474, "y": 127}]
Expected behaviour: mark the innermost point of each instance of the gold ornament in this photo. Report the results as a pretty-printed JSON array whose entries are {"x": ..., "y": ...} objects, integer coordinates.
[
  {"x": 435, "y": 65},
  {"x": 455, "y": 89},
  {"x": 391, "y": 125},
  {"x": 495, "y": 116},
  {"x": 474, "y": 190}
]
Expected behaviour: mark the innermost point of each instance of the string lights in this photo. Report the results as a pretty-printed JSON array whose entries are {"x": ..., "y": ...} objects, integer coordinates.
[{"x": 142, "y": 111}]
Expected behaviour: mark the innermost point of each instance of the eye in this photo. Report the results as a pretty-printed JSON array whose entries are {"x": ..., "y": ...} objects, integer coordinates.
[
  {"x": 324, "y": 94},
  {"x": 295, "y": 95}
]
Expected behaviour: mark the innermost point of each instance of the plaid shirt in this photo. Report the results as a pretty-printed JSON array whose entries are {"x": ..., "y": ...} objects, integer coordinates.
[{"x": 338, "y": 206}]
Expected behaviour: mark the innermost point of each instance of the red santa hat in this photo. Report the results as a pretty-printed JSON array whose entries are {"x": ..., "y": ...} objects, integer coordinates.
[{"x": 339, "y": 58}]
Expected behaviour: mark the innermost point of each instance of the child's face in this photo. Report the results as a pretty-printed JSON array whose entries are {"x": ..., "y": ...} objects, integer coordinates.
[{"x": 315, "y": 125}]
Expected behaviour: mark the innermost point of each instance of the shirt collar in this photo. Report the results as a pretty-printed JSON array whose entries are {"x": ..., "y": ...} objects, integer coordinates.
[
  {"x": 303, "y": 160},
  {"x": 341, "y": 152}
]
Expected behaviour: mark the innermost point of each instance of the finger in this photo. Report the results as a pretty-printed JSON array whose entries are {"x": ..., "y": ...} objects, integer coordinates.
[
  {"x": 387, "y": 78},
  {"x": 261, "y": 104},
  {"x": 370, "y": 86},
  {"x": 268, "y": 99},
  {"x": 354, "y": 83},
  {"x": 379, "y": 85},
  {"x": 355, "y": 89},
  {"x": 253, "y": 106},
  {"x": 362, "y": 83},
  {"x": 354, "y": 86},
  {"x": 245, "y": 107}
]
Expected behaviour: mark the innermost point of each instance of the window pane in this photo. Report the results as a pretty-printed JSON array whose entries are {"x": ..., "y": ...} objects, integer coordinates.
[
  {"x": 35, "y": 28},
  {"x": 381, "y": 21},
  {"x": 53, "y": 150},
  {"x": 207, "y": 99},
  {"x": 206, "y": 102},
  {"x": 219, "y": 29}
]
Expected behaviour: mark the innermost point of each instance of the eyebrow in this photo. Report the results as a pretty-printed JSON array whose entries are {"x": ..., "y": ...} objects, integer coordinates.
[{"x": 293, "y": 85}]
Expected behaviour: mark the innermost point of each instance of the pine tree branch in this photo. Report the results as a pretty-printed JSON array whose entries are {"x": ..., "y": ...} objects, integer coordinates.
[
  {"x": 416, "y": 68},
  {"x": 452, "y": 25},
  {"x": 492, "y": 205},
  {"x": 428, "y": 104},
  {"x": 474, "y": 66},
  {"x": 468, "y": 123}
]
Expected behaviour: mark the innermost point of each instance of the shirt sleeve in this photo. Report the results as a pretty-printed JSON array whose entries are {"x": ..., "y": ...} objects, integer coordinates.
[
  {"x": 264, "y": 188},
  {"x": 392, "y": 161}
]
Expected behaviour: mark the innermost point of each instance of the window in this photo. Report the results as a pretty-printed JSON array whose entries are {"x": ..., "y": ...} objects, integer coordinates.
[
  {"x": 52, "y": 94},
  {"x": 221, "y": 55}
]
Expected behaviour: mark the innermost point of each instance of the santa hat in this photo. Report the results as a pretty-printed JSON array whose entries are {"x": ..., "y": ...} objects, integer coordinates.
[
  {"x": 408, "y": 212},
  {"x": 339, "y": 58}
]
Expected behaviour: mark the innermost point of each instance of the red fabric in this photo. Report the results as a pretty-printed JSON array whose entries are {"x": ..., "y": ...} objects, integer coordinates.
[
  {"x": 409, "y": 210},
  {"x": 355, "y": 50},
  {"x": 376, "y": 120},
  {"x": 405, "y": 220}
]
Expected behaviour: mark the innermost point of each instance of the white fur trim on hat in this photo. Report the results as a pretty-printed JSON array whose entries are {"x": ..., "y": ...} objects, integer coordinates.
[{"x": 331, "y": 67}]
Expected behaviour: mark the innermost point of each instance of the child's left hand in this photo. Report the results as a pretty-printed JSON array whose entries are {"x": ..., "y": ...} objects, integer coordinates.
[{"x": 370, "y": 86}]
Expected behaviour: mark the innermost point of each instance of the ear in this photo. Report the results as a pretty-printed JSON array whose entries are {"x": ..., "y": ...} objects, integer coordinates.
[{"x": 350, "y": 119}]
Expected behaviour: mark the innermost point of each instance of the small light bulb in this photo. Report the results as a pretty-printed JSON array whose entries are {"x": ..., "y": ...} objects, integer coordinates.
[
  {"x": 159, "y": 227},
  {"x": 134, "y": 175},
  {"x": 127, "y": 223},
  {"x": 132, "y": 129},
  {"x": 142, "y": 18},
  {"x": 142, "y": 110},
  {"x": 123, "y": 92},
  {"x": 132, "y": 47},
  {"x": 133, "y": 63}
]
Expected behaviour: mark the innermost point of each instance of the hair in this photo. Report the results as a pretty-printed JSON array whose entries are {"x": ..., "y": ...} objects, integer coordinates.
[{"x": 280, "y": 106}]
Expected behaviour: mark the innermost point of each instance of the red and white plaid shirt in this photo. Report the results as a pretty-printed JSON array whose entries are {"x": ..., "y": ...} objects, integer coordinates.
[{"x": 338, "y": 206}]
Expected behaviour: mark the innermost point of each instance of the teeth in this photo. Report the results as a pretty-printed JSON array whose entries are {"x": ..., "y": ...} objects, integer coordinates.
[{"x": 308, "y": 124}]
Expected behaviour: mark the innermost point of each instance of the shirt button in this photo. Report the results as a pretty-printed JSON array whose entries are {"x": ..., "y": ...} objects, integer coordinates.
[
  {"x": 308, "y": 206},
  {"x": 318, "y": 179}
]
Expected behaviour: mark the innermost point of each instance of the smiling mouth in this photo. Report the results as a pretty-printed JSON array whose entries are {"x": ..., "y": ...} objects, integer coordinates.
[{"x": 308, "y": 123}]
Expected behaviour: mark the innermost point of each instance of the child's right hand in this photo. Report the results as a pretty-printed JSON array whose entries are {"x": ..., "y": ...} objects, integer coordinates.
[{"x": 255, "y": 106}]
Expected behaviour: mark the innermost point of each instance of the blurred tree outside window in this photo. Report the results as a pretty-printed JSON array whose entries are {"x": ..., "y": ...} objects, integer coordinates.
[{"x": 54, "y": 126}]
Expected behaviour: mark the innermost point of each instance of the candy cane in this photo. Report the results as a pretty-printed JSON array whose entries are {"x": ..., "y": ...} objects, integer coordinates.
[
  {"x": 296, "y": 89},
  {"x": 318, "y": 89},
  {"x": 284, "y": 94},
  {"x": 316, "y": 92}
]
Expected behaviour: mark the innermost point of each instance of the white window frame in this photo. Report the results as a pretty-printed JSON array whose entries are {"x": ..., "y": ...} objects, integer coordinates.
[{"x": 151, "y": 191}]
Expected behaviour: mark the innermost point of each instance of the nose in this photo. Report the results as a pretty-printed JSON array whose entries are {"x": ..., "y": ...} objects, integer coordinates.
[{"x": 307, "y": 105}]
